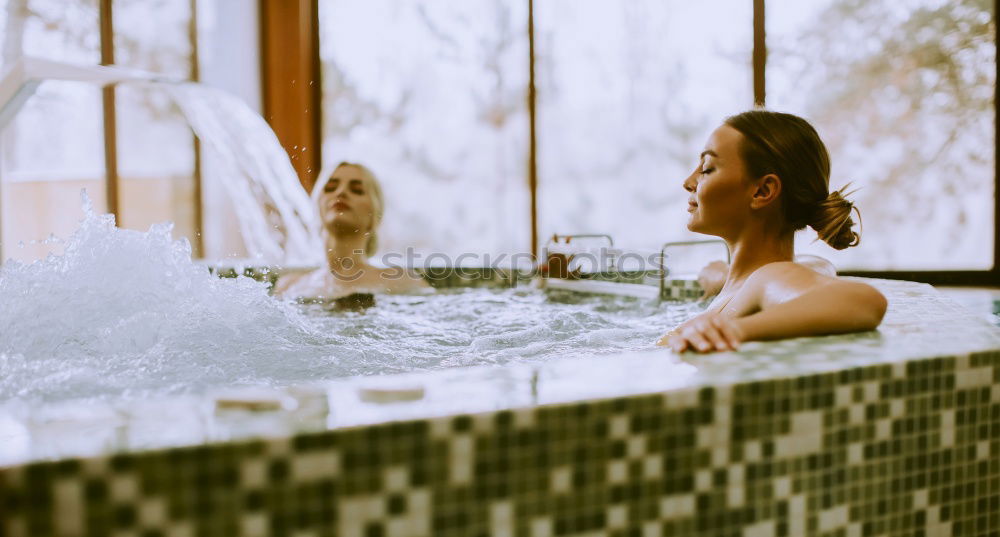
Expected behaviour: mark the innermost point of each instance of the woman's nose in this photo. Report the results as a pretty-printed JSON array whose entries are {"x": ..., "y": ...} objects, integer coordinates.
[{"x": 691, "y": 183}]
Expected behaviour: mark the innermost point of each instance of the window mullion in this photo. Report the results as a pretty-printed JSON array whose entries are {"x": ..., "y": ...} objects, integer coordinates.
[
  {"x": 759, "y": 53},
  {"x": 108, "y": 103}
]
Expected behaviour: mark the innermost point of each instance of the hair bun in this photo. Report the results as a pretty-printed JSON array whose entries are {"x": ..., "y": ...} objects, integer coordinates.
[{"x": 832, "y": 220}]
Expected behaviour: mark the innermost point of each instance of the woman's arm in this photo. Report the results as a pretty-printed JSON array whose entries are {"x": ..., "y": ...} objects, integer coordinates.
[
  {"x": 833, "y": 307},
  {"x": 783, "y": 300}
]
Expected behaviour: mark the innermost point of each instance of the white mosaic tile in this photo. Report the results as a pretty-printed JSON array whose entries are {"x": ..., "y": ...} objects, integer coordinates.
[
  {"x": 760, "y": 529},
  {"x": 396, "y": 479},
  {"x": 831, "y": 519},
  {"x": 676, "y": 506},
  {"x": 253, "y": 473},
  {"x": 652, "y": 466},
  {"x": 461, "y": 459},
  {"x": 561, "y": 479},
  {"x": 652, "y": 529},
  {"x": 617, "y": 517},
  {"x": 124, "y": 488},
  {"x": 255, "y": 525},
  {"x": 68, "y": 501},
  {"x": 735, "y": 497},
  {"x": 314, "y": 466},
  {"x": 153, "y": 513},
  {"x": 617, "y": 472},
  {"x": 618, "y": 426},
  {"x": 541, "y": 527}
]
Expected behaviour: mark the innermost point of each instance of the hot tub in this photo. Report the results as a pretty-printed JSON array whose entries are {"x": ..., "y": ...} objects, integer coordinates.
[{"x": 895, "y": 432}]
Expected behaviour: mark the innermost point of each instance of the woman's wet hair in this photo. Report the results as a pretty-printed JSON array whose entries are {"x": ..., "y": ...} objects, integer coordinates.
[
  {"x": 789, "y": 147},
  {"x": 374, "y": 190}
]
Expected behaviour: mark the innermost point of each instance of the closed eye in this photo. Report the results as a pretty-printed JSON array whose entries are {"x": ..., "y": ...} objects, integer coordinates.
[{"x": 707, "y": 171}]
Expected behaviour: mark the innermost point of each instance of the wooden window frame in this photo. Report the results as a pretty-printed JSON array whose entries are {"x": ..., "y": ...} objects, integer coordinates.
[{"x": 291, "y": 83}]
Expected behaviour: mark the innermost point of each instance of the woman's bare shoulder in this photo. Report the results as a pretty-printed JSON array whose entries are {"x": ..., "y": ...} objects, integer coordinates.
[
  {"x": 785, "y": 270},
  {"x": 782, "y": 281}
]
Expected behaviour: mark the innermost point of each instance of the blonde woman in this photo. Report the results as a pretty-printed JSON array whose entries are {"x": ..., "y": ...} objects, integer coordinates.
[
  {"x": 762, "y": 176},
  {"x": 351, "y": 205}
]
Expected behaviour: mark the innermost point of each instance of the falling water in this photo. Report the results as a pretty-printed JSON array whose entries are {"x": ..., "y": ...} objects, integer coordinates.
[{"x": 278, "y": 222}]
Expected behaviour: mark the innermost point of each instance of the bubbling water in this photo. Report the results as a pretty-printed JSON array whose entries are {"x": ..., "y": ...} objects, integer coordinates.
[
  {"x": 125, "y": 314},
  {"x": 123, "y": 310}
]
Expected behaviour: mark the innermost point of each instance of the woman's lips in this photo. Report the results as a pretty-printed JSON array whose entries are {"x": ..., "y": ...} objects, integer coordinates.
[
  {"x": 692, "y": 206},
  {"x": 341, "y": 206}
]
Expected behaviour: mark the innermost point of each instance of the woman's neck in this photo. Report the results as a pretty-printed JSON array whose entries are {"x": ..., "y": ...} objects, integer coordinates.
[
  {"x": 756, "y": 248},
  {"x": 345, "y": 255}
]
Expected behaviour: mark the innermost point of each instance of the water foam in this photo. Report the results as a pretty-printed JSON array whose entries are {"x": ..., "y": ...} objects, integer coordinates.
[
  {"x": 123, "y": 310},
  {"x": 126, "y": 314}
]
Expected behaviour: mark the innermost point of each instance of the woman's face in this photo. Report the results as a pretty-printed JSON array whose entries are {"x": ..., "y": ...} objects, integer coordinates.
[
  {"x": 346, "y": 201},
  {"x": 720, "y": 192}
]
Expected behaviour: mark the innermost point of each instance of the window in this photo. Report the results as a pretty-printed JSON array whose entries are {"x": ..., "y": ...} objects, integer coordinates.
[
  {"x": 627, "y": 92},
  {"x": 432, "y": 96},
  {"x": 57, "y": 144},
  {"x": 625, "y": 103},
  {"x": 53, "y": 148},
  {"x": 156, "y": 152},
  {"x": 902, "y": 93}
]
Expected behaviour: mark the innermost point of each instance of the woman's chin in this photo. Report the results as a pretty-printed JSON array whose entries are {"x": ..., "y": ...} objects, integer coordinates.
[
  {"x": 343, "y": 223},
  {"x": 695, "y": 226}
]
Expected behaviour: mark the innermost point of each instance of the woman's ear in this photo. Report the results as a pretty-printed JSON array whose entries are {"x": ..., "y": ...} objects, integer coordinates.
[{"x": 767, "y": 191}]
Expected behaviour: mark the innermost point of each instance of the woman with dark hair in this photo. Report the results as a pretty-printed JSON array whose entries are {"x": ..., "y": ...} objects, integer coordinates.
[{"x": 763, "y": 176}]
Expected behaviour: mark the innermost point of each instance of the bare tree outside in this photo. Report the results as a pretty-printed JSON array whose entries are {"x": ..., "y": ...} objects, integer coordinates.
[
  {"x": 54, "y": 147},
  {"x": 617, "y": 127},
  {"x": 155, "y": 145},
  {"x": 432, "y": 96},
  {"x": 628, "y": 93},
  {"x": 902, "y": 92}
]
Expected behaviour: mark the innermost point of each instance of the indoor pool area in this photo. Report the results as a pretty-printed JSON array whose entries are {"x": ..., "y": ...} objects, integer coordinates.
[{"x": 499, "y": 268}]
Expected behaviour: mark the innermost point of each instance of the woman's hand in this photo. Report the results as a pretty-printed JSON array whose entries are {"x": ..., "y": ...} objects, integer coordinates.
[{"x": 708, "y": 332}]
